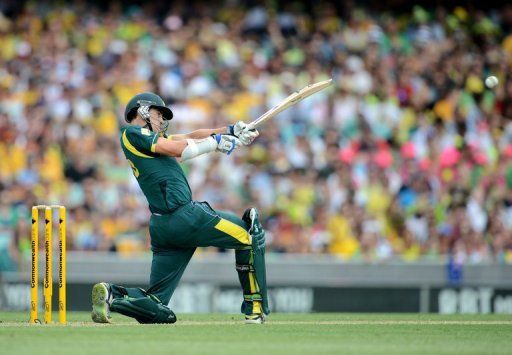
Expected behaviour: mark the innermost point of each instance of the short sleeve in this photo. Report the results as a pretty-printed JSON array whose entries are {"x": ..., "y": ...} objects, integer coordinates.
[{"x": 140, "y": 139}]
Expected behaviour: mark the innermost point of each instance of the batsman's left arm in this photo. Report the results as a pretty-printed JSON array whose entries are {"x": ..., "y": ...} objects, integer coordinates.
[
  {"x": 198, "y": 134},
  {"x": 240, "y": 130}
]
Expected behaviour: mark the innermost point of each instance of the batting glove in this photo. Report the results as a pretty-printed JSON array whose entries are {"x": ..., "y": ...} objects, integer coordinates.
[
  {"x": 226, "y": 143},
  {"x": 241, "y": 131}
]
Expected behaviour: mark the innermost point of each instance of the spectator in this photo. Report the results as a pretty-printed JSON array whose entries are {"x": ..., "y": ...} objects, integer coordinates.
[{"x": 408, "y": 155}]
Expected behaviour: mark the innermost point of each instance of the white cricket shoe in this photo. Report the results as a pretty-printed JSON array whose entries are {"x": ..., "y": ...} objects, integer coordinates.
[{"x": 257, "y": 318}]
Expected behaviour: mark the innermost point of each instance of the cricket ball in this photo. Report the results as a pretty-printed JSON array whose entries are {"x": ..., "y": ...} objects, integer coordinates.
[{"x": 491, "y": 81}]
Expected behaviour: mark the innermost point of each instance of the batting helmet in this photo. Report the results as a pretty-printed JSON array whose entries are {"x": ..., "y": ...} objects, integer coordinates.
[{"x": 146, "y": 99}]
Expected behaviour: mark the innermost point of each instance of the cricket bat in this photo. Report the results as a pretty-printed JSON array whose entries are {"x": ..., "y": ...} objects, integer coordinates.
[{"x": 290, "y": 101}]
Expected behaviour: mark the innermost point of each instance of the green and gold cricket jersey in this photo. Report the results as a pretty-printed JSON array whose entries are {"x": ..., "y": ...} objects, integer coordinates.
[{"x": 160, "y": 177}]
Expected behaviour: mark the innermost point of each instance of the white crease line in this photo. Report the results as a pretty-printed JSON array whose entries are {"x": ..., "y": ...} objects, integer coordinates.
[{"x": 270, "y": 322}]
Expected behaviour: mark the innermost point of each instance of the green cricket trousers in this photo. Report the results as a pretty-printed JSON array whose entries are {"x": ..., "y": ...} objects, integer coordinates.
[{"x": 175, "y": 237}]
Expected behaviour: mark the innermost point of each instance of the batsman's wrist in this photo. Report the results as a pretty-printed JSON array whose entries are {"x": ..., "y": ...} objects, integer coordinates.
[
  {"x": 230, "y": 129},
  {"x": 217, "y": 137}
]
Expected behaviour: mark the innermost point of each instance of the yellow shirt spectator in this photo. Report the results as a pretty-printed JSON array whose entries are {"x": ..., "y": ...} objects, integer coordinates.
[{"x": 343, "y": 242}]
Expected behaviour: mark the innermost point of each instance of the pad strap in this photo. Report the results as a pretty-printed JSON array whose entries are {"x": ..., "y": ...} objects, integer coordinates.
[{"x": 253, "y": 297}]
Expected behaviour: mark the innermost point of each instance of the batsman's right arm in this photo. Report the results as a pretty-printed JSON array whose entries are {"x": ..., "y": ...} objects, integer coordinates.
[
  {"x": 191, "y": 148},
  {"x": 170, "y": 147}
]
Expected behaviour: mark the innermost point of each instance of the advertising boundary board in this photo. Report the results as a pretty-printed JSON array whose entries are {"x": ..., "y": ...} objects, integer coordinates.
[{"x": 207, "y": 297}]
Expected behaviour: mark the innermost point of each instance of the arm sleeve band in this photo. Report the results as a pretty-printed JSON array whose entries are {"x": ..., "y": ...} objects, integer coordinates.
[{"x": 195, "y": 148}]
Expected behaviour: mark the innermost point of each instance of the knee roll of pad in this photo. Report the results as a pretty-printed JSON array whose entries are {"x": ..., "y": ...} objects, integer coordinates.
[
  {"x": 256, "y": 230},
  {"x": 258, "y": 240}
]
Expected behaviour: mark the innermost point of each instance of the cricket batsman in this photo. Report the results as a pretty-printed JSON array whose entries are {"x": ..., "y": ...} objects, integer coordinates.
[{"x": 178, "y": 225}]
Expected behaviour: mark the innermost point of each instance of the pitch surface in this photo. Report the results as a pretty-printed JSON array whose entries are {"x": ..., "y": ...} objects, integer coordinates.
[{"x": 282, "y": 334}]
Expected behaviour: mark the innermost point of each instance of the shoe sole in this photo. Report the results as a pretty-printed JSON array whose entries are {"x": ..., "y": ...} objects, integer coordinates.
[
  {"x": 258, "y": 320},
  {"x": 99, "y": 304}
]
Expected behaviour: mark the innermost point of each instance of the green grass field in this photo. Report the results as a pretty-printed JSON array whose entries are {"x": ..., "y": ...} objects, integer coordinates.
[{"x": 282, "y": 334}]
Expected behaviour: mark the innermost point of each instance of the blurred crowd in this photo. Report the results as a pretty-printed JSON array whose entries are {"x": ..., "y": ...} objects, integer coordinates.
[{"x": 408, "y": 155}]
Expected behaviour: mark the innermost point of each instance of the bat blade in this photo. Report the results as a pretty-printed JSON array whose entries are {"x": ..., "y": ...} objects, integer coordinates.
[{"x": 290, "y": 101}]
